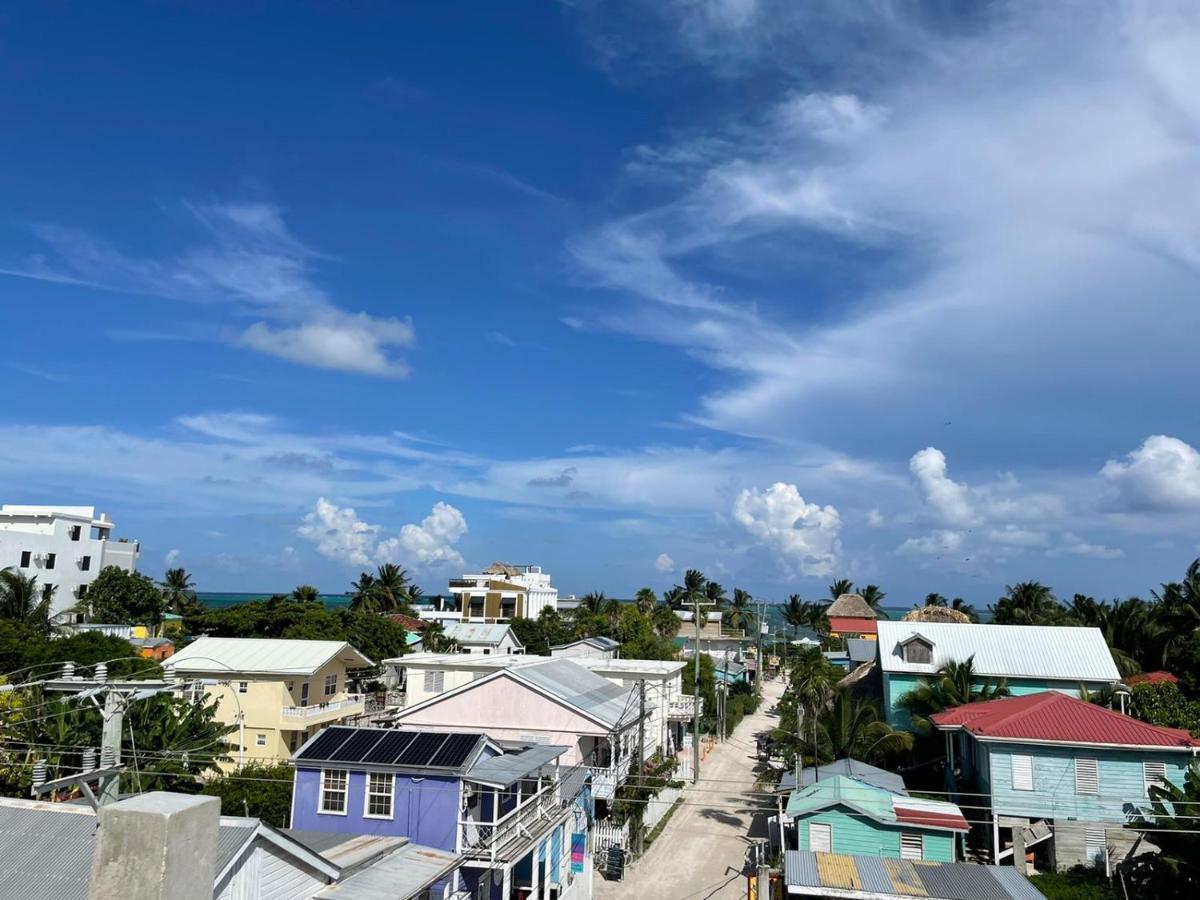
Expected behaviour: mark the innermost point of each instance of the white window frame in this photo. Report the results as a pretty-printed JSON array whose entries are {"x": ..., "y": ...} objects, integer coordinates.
[
  {"x": 344, "y": 790},
  {"x": 828, "y": 830},
  {"x": 243, "y": 687},
  {"x": 1081, "y": 776},
  {"x": 1027, "y": 761},
  {"x": 369, "y": 793},
  {"x": 1153, "y": 774},
  {"x": 260, "y": 740},
  {"x": 330, "y": 685},
  {"x": 911, "y": 836}
]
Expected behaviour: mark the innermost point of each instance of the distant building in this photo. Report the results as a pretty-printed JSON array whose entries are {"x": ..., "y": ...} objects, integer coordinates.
[
  {"x": 1031, "y": 658},
  {"x": 278, "y": 692},
  {"x": 488, "y": 640},
  {"x": 155, "y": 648},
  {"x": 850, "y": 616},
  {"x": 502, "y": 592},
  {"x": 589, "y": 647},
  {"x": 66, "y": 547}
]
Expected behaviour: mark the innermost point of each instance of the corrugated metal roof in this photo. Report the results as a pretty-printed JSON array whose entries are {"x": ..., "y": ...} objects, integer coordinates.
[
  {"x": 1014, "y": 651},
  {"x": 879, "y": 804},
  {"x": 894, "y": 879},
  {"x": 479, "y": 633},
  {"x": 402, "y": 874},
  {"x": 509, "y": 768},
  {"x": 583, "y": 689},
  {"x": 861, "y": 649},
  {"x": 266, "y": 656},
  {"x": 1052, "y": 716},
  {"x": 851, "y": 768}
]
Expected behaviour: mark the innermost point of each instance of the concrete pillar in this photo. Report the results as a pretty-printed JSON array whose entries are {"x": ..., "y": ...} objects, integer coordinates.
[
  {"x": 1018, "y": 834},
  {"x": 156, "y": 846}
]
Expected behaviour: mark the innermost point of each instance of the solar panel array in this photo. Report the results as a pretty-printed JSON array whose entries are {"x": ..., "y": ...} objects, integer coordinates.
[{"x": 377, "y": 746}]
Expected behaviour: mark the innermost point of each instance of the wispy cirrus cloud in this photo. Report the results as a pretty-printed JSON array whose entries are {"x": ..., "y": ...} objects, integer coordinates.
[{"x": 247, "y": 259}]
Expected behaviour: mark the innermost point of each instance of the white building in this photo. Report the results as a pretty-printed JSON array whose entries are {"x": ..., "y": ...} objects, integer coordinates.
[
  {"x": 65, "y": 547},
  {"x": 484, "y": 639},
  {"x": 502, "y": 592}
]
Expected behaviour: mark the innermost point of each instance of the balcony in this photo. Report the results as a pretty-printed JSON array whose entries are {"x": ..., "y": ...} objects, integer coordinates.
[
  {"x": 510, "y": 836},
  {"x": 683, "y": 708},
  {"x": 315, "y": 713},
  {"x": 606, "y": 779}
]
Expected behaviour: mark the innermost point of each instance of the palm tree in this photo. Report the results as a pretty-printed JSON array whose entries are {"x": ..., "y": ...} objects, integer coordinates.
[
  {"x": 811, "y": 687},
  {"x": 853, "y": 729},
  {"x": 674, "y": 597},
  {"x": 593, "y": 602},
  {"x": 695, "y": 587},
  {"x": 839, "y": 587},
  {"x": 434, "y": 639},
  {"x": 873, "y": 595},
  {"x": 646, "y": 600},
  {"x": 800, "y": 613},
  {"x": 739, "y": 614},
  {"x": 936, "y": 600},
  {"x": 179, "y": 592},
  {"x": 715, "y": 594},
  {"x": 306, "y": 593},
  {"x": 391, "y": 587},
  {"x": 1028, "y": 603},
  {"x": 1174, "y": 871},
  {"x": 362, "y": 598},
  {"x": 21, "y": 601},
  {"x": 958, "y": 603},
  {"x": 954, "y": 685}
]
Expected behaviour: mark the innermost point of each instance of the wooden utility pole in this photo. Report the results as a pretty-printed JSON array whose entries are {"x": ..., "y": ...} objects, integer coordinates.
[
  {"x": 641, "y": 758},
  {"x": 696, "y": 696}
]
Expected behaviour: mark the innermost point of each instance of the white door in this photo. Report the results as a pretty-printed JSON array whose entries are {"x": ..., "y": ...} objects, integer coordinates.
[{"x": 820, "y": 837}]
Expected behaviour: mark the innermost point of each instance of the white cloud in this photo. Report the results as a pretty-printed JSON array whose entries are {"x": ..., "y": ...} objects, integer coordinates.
[
  {"x": 346, "y": 343},
  {"x": 834, "y": 118},
  {"x": 172, "y": 557},
  {"x": 947, "y": 498},
  {"x": 1077, "y": 546},
  {"x": 803, "y": 534},
  {"x": 935, "y": 544},
  {"x": 1162, "y": 474},
  {"x": 1014, "y": 536},
  {"x": 875, "y": 518},
  {"x": 339, "y": 534},
  {"x": 664, "y": 564}
]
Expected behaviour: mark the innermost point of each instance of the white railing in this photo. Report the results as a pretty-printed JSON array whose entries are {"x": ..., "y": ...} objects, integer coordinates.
[
  {"x": 606, "y": 779},
  {"x": 508, "y": 835},
  {"x": 349, "y": 705},
  {"x": 684, "y": 707}
]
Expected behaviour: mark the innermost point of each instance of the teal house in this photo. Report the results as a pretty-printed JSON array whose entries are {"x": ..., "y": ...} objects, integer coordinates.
[
  {"x": 1030, "y": 658},
  {"x": 1057, "y": 778},
  {"x": 842, "y": 815}
]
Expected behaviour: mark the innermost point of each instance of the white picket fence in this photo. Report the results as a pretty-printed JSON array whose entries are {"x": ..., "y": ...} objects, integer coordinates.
[
  {"x": 658, "y": 807},
  {"x": 606, "y": 834}
]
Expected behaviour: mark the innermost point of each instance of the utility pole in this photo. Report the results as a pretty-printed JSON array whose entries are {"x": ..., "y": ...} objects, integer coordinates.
[
  {"x": 760, "y": 669},
  {"x": 725, "y": 696},
  {"x": 696, "y": 696},
  {"x": 113, "y": 713},
  {"x": 641, "y": 755}
]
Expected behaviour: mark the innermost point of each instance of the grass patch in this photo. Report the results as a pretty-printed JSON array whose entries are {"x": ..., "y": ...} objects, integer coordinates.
[
  {"x": 1075, "y": 885},
  {"x": 662, "y": 823}
]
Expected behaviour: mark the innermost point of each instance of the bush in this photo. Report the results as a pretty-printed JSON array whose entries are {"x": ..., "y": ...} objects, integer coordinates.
[
  {"x": 1077, "y": 884},
  {"x": 1162, "y": 703},
  {"x": 258, "y": 790}
]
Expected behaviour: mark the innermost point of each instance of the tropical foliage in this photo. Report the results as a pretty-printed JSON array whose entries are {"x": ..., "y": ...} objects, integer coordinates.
[
  {"x": 389, "y": 590},
  {"x": 179, "y": 593},
  {"x": 1173, "y": 872},
  {"x": 954, "y": 685},
  {"x": 123, "y": 598},
  {"x": 23, "y": 602},
  {"x": 258, "y": 790}
]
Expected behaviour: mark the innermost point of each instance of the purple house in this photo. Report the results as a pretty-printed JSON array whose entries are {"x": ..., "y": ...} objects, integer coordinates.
[{"x": 506, "y": 808}]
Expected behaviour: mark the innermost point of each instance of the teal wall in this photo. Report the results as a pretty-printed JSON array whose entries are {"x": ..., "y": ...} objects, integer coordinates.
[
  {"x": 896, "y": 685},
  {"x": 854, "y": 833},
  {"x": 1053, "y": 795}
]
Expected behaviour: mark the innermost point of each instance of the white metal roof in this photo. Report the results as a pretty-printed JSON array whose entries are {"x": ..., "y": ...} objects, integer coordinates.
[
  {"x": 479, "y": 633},
  {"x": 262, "y": 656},
  {"x": 1013, "y": 651}
]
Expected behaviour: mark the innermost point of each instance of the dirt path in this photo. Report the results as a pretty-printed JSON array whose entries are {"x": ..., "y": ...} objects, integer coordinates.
[{"x": 701, "y": 851}]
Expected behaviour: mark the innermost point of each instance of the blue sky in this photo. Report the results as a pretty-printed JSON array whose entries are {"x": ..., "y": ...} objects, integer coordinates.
[{"x": 783, "y": 292}]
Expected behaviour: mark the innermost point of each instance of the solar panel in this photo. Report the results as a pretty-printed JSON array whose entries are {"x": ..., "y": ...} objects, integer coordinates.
[
  {"x": 456, "y": 750},
  {"x": 323, "y": 746},
  {"x": 359, "y": 745},
  {"x": 390, "y": 747},
  {"x": 420, "y": 751}
]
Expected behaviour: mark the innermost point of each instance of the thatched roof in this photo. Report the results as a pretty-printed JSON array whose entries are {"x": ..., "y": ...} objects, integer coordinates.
[
  {"x": 499, "y": 568},
  {"x": 851, "y": 606},
  {"x": 937, "y": 614}
]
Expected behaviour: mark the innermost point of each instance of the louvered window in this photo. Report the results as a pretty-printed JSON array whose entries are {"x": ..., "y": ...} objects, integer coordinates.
[
  {"x": 434, "y": 682},
  {"x": 820, "y": 837},
  {"x": 912, "y": 846},
  {"x": 1022, "y": 772},
  {"x": 1087, "y": 776},
  {"x": 1154, "y": 774},
  {"x": 1095, "y": 846}
]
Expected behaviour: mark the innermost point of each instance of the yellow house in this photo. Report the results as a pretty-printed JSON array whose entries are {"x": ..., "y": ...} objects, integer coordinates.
[{"x": 278, "y": 692}]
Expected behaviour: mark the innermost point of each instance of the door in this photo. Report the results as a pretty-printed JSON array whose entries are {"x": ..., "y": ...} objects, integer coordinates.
[
  {"x": 304, "y": 694},
  {"x": 820, "y": 837}
]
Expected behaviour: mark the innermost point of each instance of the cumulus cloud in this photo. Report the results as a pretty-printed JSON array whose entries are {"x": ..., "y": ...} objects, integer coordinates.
[
  {"x": 250, "y": 263},
  {"x": 1162, "y": 474},
  {"x": 936, "y": 544},
  {"x": 804, "y": 535},
  {"x": 1074, "y": 545},
  {"x": 947, "y": 498},
  {"x": 172, "y": 557},
  {"x": 339, "y": 534},
  {"x": 664, "y": 564}
]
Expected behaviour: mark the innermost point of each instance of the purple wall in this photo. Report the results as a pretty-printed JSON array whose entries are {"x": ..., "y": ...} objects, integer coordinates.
[{"x": 425, "y": 810}]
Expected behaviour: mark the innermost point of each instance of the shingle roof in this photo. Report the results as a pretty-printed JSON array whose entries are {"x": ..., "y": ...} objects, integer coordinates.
[
  {"x": 262, "y": 656},
  {"x": 881, "y": 805},
  {"x": 851, "y": 606},
  {"x": 1053, "y": 716},
  {"x": 814, "y": 874},
  {"x": 1013, "y": 651},
  {"x": 479, "y": 633}
]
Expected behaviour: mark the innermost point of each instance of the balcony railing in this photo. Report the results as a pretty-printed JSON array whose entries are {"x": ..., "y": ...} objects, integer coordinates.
[
  {"x": 509, "y": 836},
  {"x": 606, "y": 779},
  {"x": 350, "y": 705},
  {"x": 684, "y": 707}
]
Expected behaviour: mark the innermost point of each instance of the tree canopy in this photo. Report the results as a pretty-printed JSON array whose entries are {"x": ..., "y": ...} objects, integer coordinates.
[{"x": 124, "y": 598}]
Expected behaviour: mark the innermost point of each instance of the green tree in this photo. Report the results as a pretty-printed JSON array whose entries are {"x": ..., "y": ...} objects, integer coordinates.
[
  {"x": 639, "y": 638},
  {"x": 593, "y": 602},
  {"x": 391, "y": 588},
  {"x": 124, "y": 598},
  {"x": 666, "y": 622},
  {"x": 853, "y": 728},
  {"x": 954, "y": 685},
  {"x": 22, "y": 602},
  {"x": 715, "y": 594},
  {"x": 258, "y": 790},
  {"x": 1028, "y": 603},
  {"x": 812, "y": 684},
  {"x": 739, "y": 614},
  {"x": 1162, "y": 703},
  {"x": 176, "y": 742},
  {"x": 363, "y": 596},
  {"x": 306, "y": 593},
  {"x": 965, "y": 608},
  {"x": 1173, "y": 872},
  {"x": 179, "y": 593},
  {"x": 646, "y": 600},
  {"x": 800, "y": 613},
  {"x": 839, "y": 587},
  {"x": 873, "y": 595},
  {"x": 936, "y": 600}
]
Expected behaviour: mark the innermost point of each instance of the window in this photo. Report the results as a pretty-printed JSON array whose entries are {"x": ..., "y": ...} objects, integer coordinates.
[
  {"x": 379, "y": 795},
  {"x": 76, "y": 530},
  {"x": 81, "y": 591},
  {"x": 434, "y": 682},
  {"x": 304, "y": 694},
  {"x": 820, "y": 837},
  {"x": 47, "y": 591},
  {"x": 293, "y": 740},
  {"x": 50, "y": 560},
  {"x": 26, "y": 558},
  {"x": 330, "y": 685},
  {"x": 1095, "y": 846},
  {"x": 487, "y": 651},
  {"x": 85, "y": 563},
  {"x": 918, "y": 651},
  {"x": 1154, "y": 774},
  {"x": 1087, "y": 776},
  {"x": 260, "y": 740},
  {"x": 333, "y": 791},
  {"x": 912, "y": 846},
  {"x": 243, "y": 687},
  {"x": 1022, "y": 772}
]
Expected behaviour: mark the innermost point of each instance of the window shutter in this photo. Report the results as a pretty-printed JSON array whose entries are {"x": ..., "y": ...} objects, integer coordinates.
[
  {"x": 434, "y": 682},
  {"x": 820, "y": 837},
  {"x": 1096, "y": 845},
  {"x": 1154, "y": 774},
  {"x": 1087, "y": 776},
  {"x": 1022, "y": 772},
  {"x": 912, "y": 846}
]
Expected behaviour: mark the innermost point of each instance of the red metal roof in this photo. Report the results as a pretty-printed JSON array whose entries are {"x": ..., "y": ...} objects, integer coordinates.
[
  {"x": 1151, "y": 678},
  {"x": 409, "y": 622},
  {"x": 1051, "y": 716},
  {"x": 929, "y": 817},
  {"x": 845, "y": 624}
]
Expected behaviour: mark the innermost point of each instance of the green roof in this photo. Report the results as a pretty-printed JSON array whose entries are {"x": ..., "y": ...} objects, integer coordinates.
[{"x": 838, "y": 789}]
